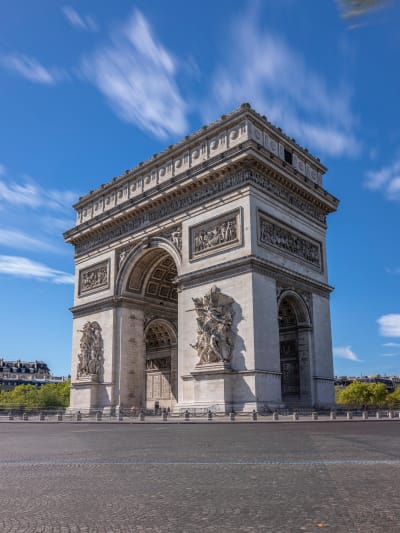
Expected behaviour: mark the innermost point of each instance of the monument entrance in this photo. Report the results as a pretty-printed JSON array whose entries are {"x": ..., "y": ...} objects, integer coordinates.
[{"x": 201, "y": 278}]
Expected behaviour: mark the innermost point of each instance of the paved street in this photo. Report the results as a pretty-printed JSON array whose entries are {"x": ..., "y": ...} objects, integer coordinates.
[{"x": 323, "y": 476}]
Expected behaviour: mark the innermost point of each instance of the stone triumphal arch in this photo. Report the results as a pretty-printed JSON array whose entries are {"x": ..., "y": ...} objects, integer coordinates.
[{"x": 201, "y": 277}]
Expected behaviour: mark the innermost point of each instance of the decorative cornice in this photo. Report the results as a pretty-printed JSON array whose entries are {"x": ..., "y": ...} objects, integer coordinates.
[
  {"x": 186, "y": 198},
  {"x": 239, "y": 125}
]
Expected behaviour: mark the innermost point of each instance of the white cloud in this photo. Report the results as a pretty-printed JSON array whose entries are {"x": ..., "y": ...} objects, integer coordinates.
[
  {"x": 30, "y": 69},
  {"x": 261, "y": 68},
  {"x": 18, "y": 239},
  {"x": 389, "y": 325},
  {"x": 78, "y": 21},
  {"x": 345, "y": 352},
  {"x": 388, "y": 354},
  {"x": 137, "y": 76},
  {"x": 392, "y": 344},
  {"x": 30, "y": 194},
  {"x": 26, "y": 268},
  {"x": 386, "y": 180}
]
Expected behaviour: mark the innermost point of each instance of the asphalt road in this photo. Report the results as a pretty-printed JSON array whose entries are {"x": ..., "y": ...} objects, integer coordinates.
[{"x": 289, "y": 477}]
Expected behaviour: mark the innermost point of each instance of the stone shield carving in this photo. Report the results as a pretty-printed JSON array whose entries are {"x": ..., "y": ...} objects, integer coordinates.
[
  {"x": 91, "y": 355},
  {"x": 215, "y": 338}
]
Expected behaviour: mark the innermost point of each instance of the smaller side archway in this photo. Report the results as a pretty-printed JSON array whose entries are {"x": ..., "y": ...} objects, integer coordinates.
[{"x": 295, "y": 349}]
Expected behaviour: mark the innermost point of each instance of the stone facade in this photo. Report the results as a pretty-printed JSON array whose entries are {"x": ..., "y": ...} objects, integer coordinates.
[{"x": 201, "y": 277}]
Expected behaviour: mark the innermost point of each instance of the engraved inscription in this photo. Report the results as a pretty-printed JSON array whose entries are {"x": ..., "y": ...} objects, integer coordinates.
[
  {"x": 281, "y": 237},
  {"x": 94, "y": 278},
  {"x": 218, "y": 233}
]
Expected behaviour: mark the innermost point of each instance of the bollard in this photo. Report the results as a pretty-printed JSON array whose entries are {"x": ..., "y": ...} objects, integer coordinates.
[
  {"x": 275, "y": 416},
  {"x": 98, "y": 416},
  {"x": 187, "y": 415},
  {"x": 232, "y": 416},
  {"x": 164, "y": 415},
  {"x": 209, "y": 415},
  {"x": 41, "y": 416},
  {"x": 391, "y": 414},
  {"x": 59, "y": 417},
  {"x": 378, "y": 415},
  {"x": 365, "y": 415},
  {"x": 254, "y": 415},
  {"x": 295, "y": 416},
  {"x": 141, "y": 416},
  {"x": 78, "y": 416},
  {"x": 314, "y": 415},
  {"x": 25, "y": 416},
  {"x": 349, "y": 415},
  {"x": 333, "y": 415},
  {"x": 10, "y": 416}
]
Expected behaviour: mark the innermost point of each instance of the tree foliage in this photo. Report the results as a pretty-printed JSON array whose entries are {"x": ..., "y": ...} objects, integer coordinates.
[
  {"x": 361, "y": 394},
  {"x": 30, "y": 397}
]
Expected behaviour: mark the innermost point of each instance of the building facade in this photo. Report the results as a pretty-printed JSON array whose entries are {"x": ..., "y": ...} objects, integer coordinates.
[
  {"x": 201, "y": 277},
  {"x": 13, "y": 373}
]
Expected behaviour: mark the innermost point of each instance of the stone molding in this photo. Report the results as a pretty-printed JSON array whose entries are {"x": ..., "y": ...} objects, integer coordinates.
[
  {"x": 216, "y": 235},
  {"x": 244, "y": 265},
  {"x": 94, "y": 278},
  {"x": 247, "y": 176},
  {"x": 275, "y": 234}
]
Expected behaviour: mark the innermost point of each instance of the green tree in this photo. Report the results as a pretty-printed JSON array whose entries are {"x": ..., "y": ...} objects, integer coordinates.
[
  {"x": 360, "y": 394},
  {"x": 30, "y": 397},
  {"x": 393, "y": 399}
]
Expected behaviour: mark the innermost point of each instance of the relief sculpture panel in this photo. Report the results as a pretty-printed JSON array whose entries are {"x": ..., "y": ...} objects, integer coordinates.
[
  {"x": 219, "y": 233},
  {"x": 281, "y": 237},
  {"x": 215, "y": 339},
  {"x": 94, "y": 278}
]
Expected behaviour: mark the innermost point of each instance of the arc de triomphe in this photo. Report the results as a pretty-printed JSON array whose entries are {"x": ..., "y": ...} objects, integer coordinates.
[{"x": 201, "y": 277}]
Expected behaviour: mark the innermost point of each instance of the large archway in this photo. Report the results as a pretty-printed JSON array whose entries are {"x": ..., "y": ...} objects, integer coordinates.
[
  {"x": 294, "y": 343},
  {"x": 150, "y": 285}
]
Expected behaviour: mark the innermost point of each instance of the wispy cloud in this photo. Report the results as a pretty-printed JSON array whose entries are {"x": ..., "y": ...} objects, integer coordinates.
[
  {"x": 261, "y": 68},
  {"x": 389, "y": 325},
  {"x": 137, "y": 75},
  {"x": 386, "y": 180},
  {"x": 19, "y": 239},
  {"x": 388, "y": 354},
  {"x": 30, "y": 69},
  {"x": 345, "y": 352},
  {"x": 30, "y": 194},
  {"x": 356, "y": 8},
  {"x": 81, "y": 22},
  {"x": 392, "y": 344},
  {"x": 26, "y": 268}
]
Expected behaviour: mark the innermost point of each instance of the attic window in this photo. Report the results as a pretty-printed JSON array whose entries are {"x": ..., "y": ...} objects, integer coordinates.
[{"x": 288, "y": 157}]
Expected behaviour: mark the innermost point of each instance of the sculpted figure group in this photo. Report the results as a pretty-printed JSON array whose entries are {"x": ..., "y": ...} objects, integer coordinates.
[
  {"x": 91, "y": 353},
  {"x": 215, "y": 339}
]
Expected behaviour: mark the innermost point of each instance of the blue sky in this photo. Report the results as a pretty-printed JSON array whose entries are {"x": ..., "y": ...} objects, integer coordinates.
[{"x": 90, "y": 88}]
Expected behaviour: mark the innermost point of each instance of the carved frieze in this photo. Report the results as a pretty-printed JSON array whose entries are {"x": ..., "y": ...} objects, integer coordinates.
[
  {"x": 217, "y": 234},
  {"x": 215, "y": 338},
  {"x": 174, "y": 235},
  {"x": 199, "y": 196},
  {"x": 275, "y": 234},
  {"x": 90, "y": 357},
  {"x": 94, "y": 278},
  {"x": 123, "y": 253}
]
